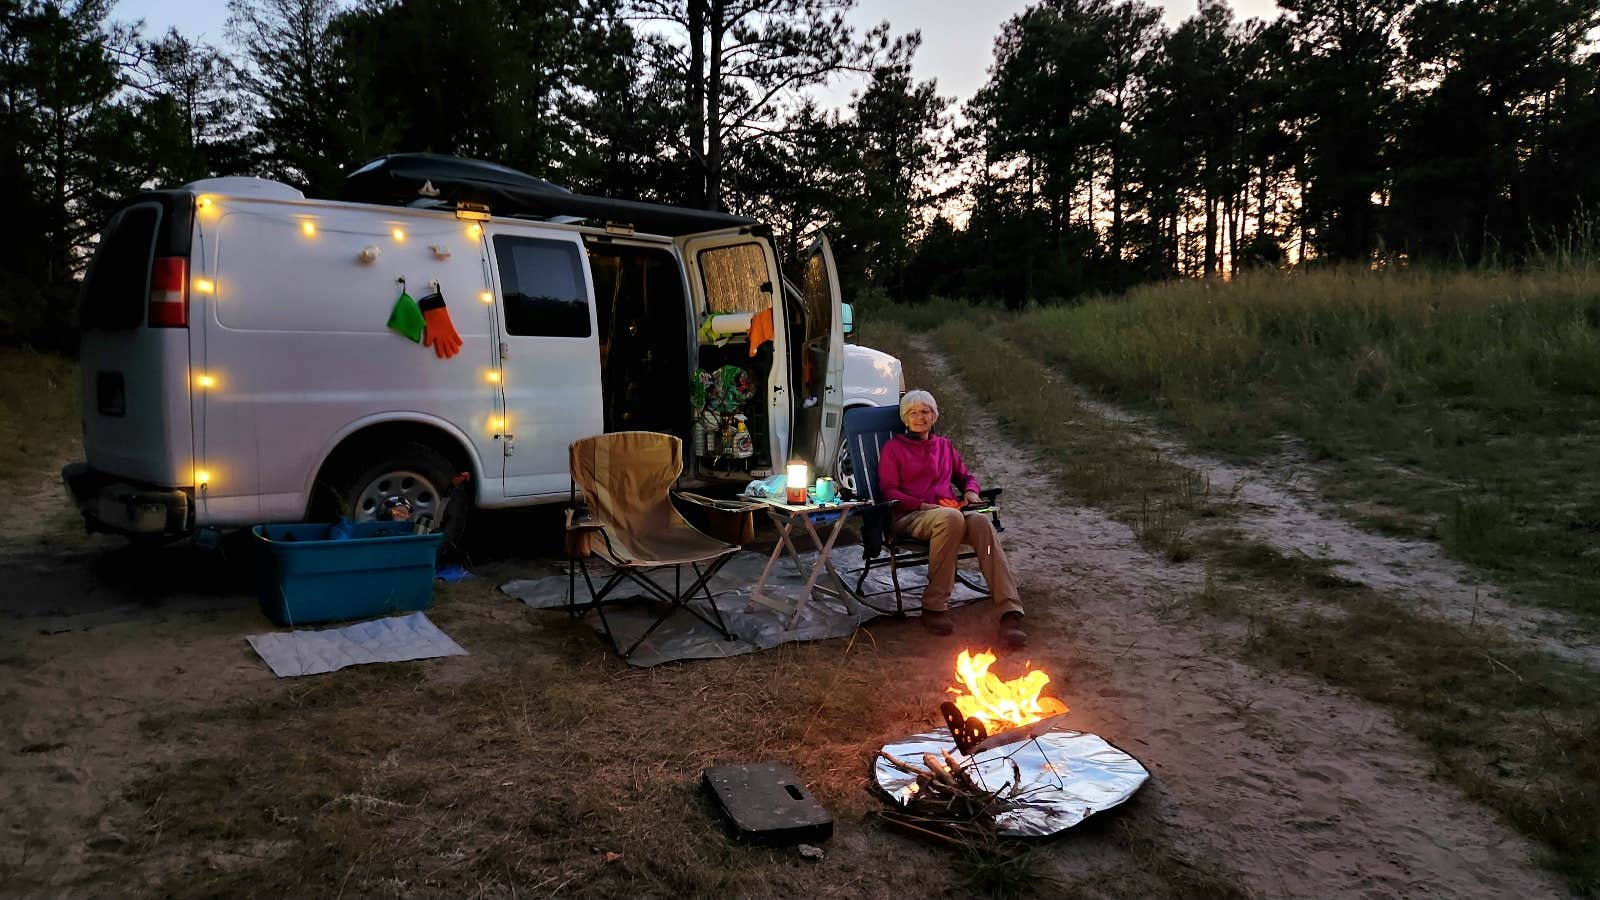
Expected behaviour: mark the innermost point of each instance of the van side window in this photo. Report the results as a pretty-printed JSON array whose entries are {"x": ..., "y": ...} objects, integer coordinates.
[
  {"x": 118, "y": 283},
  {"x": 542, "y": 283},
  {"x": 734, "y": 277}
]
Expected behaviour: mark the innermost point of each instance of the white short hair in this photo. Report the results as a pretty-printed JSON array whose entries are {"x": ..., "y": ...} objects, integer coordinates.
[{"x": 912, "y": 398}]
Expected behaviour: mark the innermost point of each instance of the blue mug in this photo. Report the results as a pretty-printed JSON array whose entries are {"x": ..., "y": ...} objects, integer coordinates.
[{"x": 825, "y": 492}]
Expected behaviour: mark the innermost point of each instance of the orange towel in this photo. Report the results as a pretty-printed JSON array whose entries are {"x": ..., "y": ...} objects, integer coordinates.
[{"x": 760, "y": 329}]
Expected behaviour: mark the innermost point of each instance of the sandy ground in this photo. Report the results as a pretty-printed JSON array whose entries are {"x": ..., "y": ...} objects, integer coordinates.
[
  {"x": 1300, "y": 790},
  {"x": 1297, "y": 789}
]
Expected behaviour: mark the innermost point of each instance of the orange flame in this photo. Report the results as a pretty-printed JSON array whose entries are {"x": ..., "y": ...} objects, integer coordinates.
[{"x": 1001, "y": 704}]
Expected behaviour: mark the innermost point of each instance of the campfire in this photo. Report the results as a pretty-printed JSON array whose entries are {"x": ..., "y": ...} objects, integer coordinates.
[
  {"x": 949, "y": 799},
  {"x": 989, "y": 711}
]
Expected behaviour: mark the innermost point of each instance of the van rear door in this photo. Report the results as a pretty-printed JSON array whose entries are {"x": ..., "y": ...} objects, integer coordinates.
[
  {"x": 134, "y": 355},
  {"x": 819, "y": 402},
  {"x": 736, "y": 271}
]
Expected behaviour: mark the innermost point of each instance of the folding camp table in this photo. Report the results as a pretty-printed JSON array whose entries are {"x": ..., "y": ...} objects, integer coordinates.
[{"x": 786, "y": 517}]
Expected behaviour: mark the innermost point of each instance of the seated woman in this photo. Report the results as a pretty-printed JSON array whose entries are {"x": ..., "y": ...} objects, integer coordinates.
[{"x": 921, "y": 471}]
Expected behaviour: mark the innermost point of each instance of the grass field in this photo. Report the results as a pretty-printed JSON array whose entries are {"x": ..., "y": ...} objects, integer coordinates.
[{"x": 1465, "y": 405}]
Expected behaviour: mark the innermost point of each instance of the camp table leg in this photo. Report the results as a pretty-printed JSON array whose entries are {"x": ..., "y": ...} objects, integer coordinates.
[
  {"x": 823, "y": 563},
  {"x": 783, "y": 543}
]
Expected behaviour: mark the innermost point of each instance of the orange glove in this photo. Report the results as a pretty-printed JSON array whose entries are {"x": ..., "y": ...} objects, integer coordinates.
[
  {"x": 440, "y": 332},
  {"x": 949, "y": 503}
]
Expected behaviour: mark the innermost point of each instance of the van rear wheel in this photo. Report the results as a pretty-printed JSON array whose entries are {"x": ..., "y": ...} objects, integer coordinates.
[{"x": 414, "y": 473}]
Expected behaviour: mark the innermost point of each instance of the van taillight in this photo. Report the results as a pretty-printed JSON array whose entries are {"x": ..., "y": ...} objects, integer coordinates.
[{"x": 169, "y": 292}]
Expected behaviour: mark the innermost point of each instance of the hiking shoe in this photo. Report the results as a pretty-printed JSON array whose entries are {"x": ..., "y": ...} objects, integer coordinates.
[
  {"x": 937, "y": 621},
  {"x": 1011, "y": 633}
]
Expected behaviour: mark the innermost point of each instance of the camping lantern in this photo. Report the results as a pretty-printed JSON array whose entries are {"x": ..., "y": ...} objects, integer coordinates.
[{"x": 796, "y": 483}]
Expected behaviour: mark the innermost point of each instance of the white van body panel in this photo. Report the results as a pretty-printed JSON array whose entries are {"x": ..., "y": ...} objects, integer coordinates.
[
  {"x": 871, "y": 377},
  {"x": 294, "y": 336}
]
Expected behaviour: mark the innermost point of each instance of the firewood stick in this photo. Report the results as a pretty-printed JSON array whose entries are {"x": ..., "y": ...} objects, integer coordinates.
[
  {"x": 938, "y": 769},
  {"x": 904, "y": 766}
]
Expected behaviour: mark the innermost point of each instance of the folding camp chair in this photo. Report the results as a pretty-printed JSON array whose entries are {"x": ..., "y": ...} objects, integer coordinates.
[
  {"x": 866, "y": 430},
  {"x": 627, "y": 519}
]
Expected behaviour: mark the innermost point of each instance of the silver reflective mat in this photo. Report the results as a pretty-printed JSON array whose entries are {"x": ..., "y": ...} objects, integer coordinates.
[{"x": 1066, "y": 777}]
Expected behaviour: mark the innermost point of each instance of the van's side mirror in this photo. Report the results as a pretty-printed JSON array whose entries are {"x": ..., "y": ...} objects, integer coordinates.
[{"x": 847, "y": 318}]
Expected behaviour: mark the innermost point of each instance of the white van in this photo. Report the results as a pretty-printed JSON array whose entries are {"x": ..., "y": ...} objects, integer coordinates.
[{"x": 238, "y": 366}]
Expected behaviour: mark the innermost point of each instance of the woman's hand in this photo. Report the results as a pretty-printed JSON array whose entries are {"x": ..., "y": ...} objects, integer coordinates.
[{"x": 970, "y": 497}]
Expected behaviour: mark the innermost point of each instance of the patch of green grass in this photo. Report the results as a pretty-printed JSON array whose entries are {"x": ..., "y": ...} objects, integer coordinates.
[
  {"x": 1464, "y": 401},
  {"x": 878, "y": 314},
  {"x": 38, "y": 414}
]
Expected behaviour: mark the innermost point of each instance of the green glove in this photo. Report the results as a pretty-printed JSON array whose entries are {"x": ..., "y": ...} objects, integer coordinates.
[{"x": 406, "y": 318}]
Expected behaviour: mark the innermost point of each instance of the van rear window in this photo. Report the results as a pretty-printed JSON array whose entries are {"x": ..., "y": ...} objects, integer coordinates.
[
  {"x": 117, "y": 287},
  {"x": 736, "y": 279},
  {"x": 542, "y": 284}
]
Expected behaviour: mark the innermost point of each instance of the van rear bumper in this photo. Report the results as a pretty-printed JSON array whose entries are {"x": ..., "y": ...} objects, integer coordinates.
[{"x": 117, "y": 506}]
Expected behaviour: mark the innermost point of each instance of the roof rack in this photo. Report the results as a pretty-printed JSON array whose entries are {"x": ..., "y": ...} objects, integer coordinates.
[{"x": 404, "y": 179}]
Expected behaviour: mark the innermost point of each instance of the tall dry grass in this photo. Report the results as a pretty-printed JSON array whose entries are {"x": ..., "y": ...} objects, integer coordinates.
[{"x": 1497, "y": 341}]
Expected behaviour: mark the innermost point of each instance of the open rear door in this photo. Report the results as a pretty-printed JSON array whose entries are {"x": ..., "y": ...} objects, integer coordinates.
[
  {"x": 735, "y": 271},
  {"x": 819, "y": 402}
]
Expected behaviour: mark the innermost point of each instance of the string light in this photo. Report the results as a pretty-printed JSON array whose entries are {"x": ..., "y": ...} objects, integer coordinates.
[
  {"x": 474, "y": 231},
  {"x": 308, "y": 228},
  {"x": 202, "y": 477},
  {"x": 205, "y": 381},
  {"x": 399, "y": 234},
  {"x": 487, "y": 296},
  {"x": 204, "y": 285},
  {"x": 493, "y": 376}
]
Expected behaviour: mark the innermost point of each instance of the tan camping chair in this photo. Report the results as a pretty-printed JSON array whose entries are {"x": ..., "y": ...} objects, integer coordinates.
[{"x": 628, "y": 520}]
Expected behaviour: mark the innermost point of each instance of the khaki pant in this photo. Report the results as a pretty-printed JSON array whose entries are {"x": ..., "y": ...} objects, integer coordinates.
[{"x": 946, "y": 530}]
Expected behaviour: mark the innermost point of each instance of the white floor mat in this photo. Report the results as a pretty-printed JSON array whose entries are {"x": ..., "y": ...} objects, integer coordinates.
[{"x": 395, "y": 639}]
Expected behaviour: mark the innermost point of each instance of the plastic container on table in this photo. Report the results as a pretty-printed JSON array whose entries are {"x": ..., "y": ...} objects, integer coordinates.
[{"x": 381, "y": 568}]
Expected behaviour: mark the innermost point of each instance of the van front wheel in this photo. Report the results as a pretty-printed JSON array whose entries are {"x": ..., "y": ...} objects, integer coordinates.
[{"x": 410, "y": 473}]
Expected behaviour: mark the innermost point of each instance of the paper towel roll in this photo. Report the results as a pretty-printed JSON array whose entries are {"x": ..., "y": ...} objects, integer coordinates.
[{"x": 731, "y": 323}]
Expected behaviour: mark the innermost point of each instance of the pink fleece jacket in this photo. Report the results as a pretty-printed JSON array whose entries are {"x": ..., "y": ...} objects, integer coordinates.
[{"x": 913, "y": 472}]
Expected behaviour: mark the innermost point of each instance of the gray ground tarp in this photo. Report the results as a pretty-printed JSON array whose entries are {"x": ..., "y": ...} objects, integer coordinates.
[{"x": 754, "y": 626}]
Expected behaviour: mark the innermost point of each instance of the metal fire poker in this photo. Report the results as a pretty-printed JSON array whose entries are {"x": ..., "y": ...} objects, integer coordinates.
[{"x": 972, "y": 737}]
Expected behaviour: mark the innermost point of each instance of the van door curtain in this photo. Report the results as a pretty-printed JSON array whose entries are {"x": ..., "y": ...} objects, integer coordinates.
[{"x": 440, "y": 333}]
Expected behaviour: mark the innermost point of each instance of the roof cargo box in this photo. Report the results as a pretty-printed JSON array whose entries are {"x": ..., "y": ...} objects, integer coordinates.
[{"x": 427, "y": 179}]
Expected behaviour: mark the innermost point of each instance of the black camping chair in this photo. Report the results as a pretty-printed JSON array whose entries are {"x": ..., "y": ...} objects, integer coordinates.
[{"x": 866, "y": 430}]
